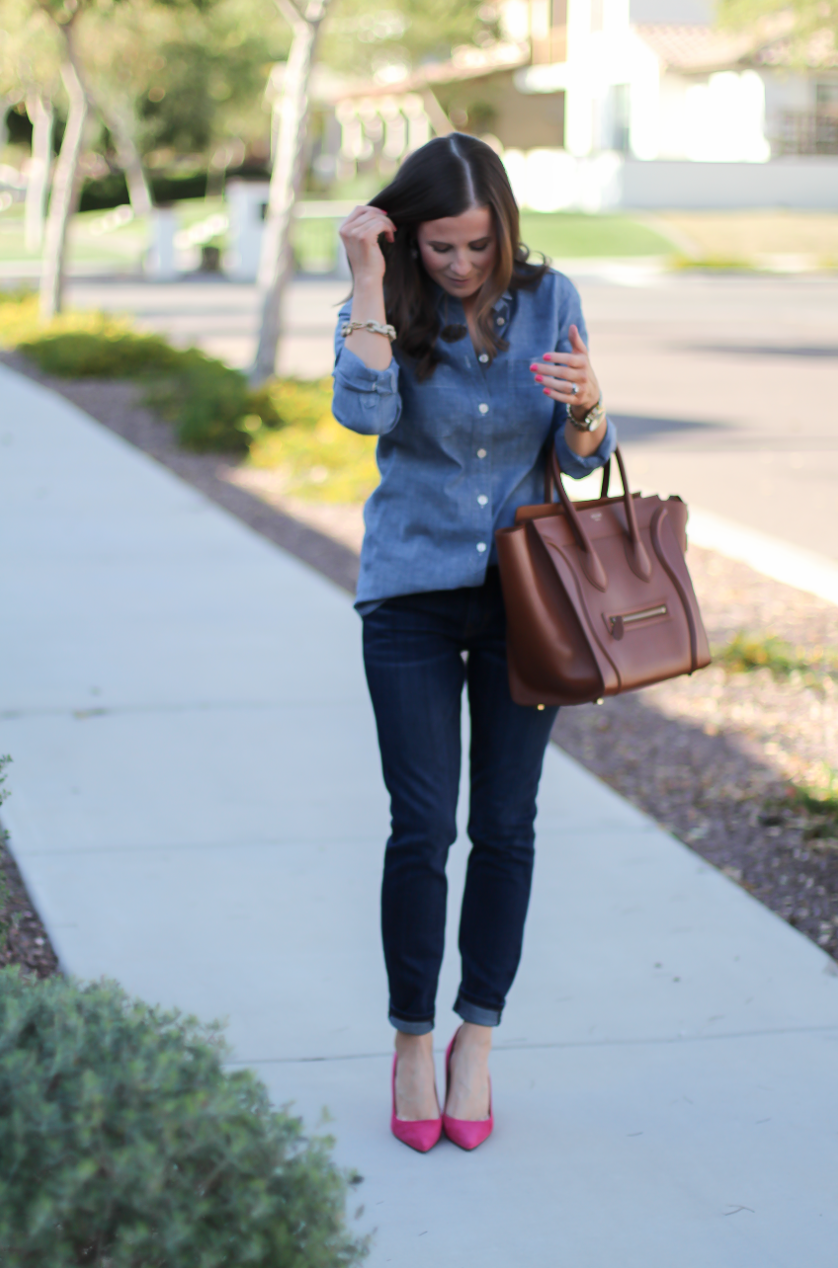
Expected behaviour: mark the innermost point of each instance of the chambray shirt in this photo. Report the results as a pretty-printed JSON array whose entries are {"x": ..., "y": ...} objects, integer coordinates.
[{"x": 461, "y": 451}]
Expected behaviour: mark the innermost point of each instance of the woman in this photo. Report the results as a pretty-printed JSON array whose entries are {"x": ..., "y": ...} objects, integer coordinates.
[{"x": 468, "y": 362}]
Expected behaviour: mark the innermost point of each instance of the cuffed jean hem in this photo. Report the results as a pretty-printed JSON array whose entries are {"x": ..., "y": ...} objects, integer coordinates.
[
  {"x": 411, "y": 1027},
  {"x": 475, "y": 1014}
]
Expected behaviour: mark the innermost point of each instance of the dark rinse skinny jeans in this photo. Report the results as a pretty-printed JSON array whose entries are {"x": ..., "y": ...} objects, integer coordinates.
[{"x": 413, "y": 649}]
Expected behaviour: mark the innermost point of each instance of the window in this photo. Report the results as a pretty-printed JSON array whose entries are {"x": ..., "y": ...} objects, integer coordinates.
[
  {"x": 826, "y": 98},
  {"x": 596, "y": 15}
]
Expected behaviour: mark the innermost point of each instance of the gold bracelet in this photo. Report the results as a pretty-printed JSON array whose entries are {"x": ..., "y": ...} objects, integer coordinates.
[{"x": 374, "y": 327}]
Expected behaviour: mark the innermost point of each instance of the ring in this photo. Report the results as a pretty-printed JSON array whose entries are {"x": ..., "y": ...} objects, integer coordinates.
[{"x": 574, "y": 389}]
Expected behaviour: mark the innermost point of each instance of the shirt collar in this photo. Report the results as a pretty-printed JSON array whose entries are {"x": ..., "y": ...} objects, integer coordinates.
[{"x": 501, "y": 307}]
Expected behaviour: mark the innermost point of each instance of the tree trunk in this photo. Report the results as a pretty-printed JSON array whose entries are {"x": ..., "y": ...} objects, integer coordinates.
[
  {"x": 65, "y": 190},
  {"x": 128, "y": 157},
  {"x": 286, "y": 180},
  {"x": 41, "y": 114},
  {"x": 6, "y": 103}
]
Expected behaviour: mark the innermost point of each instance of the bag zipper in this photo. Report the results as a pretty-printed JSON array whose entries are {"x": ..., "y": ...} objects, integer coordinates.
[{"x": 618, "y": 623}]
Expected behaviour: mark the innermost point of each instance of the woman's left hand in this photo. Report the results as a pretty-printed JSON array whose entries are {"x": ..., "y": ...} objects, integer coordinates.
[{"x": 569, "y": 376}]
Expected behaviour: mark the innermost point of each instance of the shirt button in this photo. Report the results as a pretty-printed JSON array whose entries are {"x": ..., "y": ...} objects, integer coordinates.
[
  {"x": 481, "y": 453},
  {"x": 482, "y": 500},
  {"x": 483, "y": 407},
  {"x": 483, "y": 358},
  {"x": 501, "y": 320},
  {"x": 481, "y": 546}
]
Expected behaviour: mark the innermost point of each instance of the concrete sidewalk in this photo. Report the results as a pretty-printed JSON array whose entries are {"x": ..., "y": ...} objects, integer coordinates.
[{"x": 197, "y": 810}]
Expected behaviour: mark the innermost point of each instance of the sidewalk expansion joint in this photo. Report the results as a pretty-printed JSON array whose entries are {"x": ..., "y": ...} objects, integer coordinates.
[{"x": 643, "y": 1041}]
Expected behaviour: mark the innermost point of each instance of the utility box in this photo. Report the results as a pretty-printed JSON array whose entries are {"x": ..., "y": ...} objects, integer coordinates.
[
  {"x": 247, "y": 204},
  {"x": 160, "y": 261}
]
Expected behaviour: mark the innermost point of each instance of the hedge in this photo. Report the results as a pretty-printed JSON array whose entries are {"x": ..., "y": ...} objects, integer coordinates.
[{"x": 126, "y": 1143}]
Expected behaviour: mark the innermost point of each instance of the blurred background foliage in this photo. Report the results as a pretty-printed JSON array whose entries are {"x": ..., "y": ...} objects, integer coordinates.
[
  {"x": 192, "y": 78},
  {"x": 362, "y": 38}
]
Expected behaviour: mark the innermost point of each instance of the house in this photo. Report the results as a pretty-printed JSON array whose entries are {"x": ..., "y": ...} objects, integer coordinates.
[{"x": 643, "y": 103}]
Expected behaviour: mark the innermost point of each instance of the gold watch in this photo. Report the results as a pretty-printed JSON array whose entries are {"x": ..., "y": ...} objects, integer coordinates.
[{"x": 592, "y": 419}]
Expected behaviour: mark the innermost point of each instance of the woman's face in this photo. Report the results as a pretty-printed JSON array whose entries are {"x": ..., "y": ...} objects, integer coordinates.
[{"x": 459, "y": 251}]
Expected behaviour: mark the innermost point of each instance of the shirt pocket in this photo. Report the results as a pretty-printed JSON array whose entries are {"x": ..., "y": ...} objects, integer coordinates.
[{"x": 437, "y": 410}]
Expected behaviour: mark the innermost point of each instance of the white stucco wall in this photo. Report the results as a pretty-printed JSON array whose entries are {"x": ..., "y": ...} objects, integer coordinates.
[
  {"x": 675, "y": 12},
  {"x": 553, "y": 180},
  {"x": 726, "y": 117}
]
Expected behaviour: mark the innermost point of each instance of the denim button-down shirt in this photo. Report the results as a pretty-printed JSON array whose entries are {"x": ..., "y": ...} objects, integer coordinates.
[{"x": 461, "y": 451}]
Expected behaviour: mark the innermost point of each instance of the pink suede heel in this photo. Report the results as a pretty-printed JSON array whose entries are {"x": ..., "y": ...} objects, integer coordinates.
[
  {"x": 462, "y": 1131},
  {"x": 421, "y": 1135}
]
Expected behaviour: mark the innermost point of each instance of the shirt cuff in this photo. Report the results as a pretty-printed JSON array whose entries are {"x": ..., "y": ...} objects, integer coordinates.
[
  {"x": 575, "y": 466},
  {"x": 351, "y": 373}
]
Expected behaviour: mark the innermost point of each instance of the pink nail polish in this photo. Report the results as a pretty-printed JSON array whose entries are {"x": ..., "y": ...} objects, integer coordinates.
[
  {"x": 539, "y": 378},
  {"x": 546, "y": 393}
]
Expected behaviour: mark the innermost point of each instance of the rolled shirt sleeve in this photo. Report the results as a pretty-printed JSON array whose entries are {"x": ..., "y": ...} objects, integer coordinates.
[
  {"x": 365, "y": 400},
  {"x": 576, "y": 467},
  {"x": 571, "y": 463}
]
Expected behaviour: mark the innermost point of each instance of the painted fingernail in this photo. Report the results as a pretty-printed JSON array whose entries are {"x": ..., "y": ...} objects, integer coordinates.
[
  {"x": 533, "y": 366},
  {"x": 539, "y": 378},
  {"x": 546, "y": 393}
]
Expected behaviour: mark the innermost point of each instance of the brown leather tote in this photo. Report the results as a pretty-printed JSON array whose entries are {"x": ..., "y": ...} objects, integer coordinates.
[{"x": 598, "y": 597}]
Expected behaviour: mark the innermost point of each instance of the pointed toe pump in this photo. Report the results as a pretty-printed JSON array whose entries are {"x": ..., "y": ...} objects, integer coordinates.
[
  {"x": 466, "y": 1133},
  {"x": 421, "y": 1135}
]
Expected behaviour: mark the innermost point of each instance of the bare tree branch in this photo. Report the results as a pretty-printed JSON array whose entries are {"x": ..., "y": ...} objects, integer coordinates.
[
  {"x": 42, "y": 117},
  {"x": 291, "y": 12},
  {"x": 65, "y": 183},
  {"x": 291, "y": 110}
]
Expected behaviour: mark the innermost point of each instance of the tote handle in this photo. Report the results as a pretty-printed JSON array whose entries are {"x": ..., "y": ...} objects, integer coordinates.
[
  {"x": 638, "y": 558},
  {"x": 549, "y": 480}
]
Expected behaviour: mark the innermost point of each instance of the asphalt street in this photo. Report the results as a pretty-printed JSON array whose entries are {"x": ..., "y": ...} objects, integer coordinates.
[{"x": 725, "y": 387}]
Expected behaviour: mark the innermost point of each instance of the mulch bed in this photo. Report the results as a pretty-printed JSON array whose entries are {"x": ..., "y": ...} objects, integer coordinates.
[
  {"x": 23, "y": 939},
  {"x": 710, "y": 758}
]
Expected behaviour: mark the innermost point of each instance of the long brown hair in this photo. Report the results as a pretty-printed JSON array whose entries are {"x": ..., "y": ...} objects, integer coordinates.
[{"x": 444, "y": 178}]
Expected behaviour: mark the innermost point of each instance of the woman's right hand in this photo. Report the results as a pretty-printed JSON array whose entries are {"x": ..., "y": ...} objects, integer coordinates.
[{"x": 360, "y": 233}]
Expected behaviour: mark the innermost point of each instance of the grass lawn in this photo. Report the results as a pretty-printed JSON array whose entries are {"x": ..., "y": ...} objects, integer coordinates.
[
  {"x": 746, "y": 235},
  {"x": 125, "y": 244},
  {"x": 564, "y": 234}
]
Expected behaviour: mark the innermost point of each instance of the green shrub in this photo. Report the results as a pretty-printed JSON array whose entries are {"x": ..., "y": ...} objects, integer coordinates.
[
  {"x": 746, "y": 653},
  {"x": 4, "y": 888},
  {"x": 207, "y": 402},
  {"x": 317, "y": 459},
  {"x": 211, "y": 405},
  {"x": 104, "y": 354},
  {"x": 125, "y": 1144},
  {"x": 20, "y": 319},
  {"x": 818, "y": 796},
  {"x": 711, "y": 263}
]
